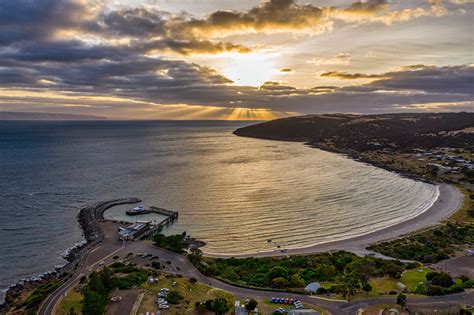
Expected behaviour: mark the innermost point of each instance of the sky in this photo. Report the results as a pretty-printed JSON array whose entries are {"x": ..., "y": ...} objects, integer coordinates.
[{"x": 235, "y": 60}]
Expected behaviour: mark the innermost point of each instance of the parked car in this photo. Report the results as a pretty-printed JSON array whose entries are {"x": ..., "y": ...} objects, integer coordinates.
[{"x": 116, "y": 299}]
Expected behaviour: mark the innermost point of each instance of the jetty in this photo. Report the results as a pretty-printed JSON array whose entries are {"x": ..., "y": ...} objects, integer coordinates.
[{"x": 145, "y": 229}]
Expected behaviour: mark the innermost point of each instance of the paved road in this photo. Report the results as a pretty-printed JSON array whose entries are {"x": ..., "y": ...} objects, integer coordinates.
[
  {"x": 109, "y": 248},
  {"x": 336, "y": 308},
  {"x": 86, "y": 265}
]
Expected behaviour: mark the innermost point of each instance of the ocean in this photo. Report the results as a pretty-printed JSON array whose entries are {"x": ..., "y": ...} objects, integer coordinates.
[{"x": 233, "y": 193}]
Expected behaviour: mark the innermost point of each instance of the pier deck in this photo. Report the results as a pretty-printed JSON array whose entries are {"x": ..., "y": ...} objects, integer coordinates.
[{"x": 154, "y": 229}]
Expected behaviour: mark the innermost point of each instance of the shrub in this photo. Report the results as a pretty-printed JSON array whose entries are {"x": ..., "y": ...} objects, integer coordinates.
[
  {"x": 321, "y": 290},
  {"x": 251, "y": 305},
  {"x": 367, "y": 287},
  {"x": 174, "y": 297},
  {"x": 279, "y": 282},
  {"x": 278, "y": 272},
  {"x": 440, "y": 279},
  {"x": 434, "y": 290}
]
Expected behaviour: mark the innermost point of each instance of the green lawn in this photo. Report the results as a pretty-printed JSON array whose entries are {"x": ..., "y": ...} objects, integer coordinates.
[
  {"x": 72, "y": 300},
  {"x": 191, "y": 293},
  {"x": 411, "y": 278},
  {"x": 382, "y": 285}
]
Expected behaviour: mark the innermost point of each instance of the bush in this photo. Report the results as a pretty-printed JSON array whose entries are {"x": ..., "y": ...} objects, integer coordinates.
[
  {"x": 175, "y": 243},
  {"x": 322, "y": 290},
  {"x": 251, "y": 305},
  {"x": 434, "y": 290},
  {"x": 367, "y": 287},
  {"x": 174, "y": 297},
  {"x": 279, "y": 282},
  {"x": 219, "y": 306},
  {"x": 455, "y": 289},
  {"x": 278, "y": 272},
  {"x": 440, "y": 279}
]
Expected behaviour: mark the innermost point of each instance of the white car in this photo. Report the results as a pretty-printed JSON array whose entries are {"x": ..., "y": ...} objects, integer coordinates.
[
  {"x": 163, "y": 306},
  {"x": 116, "y": 299}
]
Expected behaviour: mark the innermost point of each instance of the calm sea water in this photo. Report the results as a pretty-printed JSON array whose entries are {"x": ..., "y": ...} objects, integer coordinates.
[{"x": 234, "y": 193}]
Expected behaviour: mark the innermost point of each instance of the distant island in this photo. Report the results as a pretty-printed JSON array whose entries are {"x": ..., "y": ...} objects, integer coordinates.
[{"x": 46, "y": 116}]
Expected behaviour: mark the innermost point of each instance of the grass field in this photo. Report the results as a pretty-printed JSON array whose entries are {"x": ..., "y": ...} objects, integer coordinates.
[
  {"x": 411, "y": 278},
  {"x": 72, "y": 300},
  {"x": 191, "y": 293}
]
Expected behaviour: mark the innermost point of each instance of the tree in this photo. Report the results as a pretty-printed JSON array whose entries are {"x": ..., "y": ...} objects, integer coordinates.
[
  {"x": 93, "y": 303},
  {"x": 279, "y": 282},
  {"x": 174, "y": 297},
  {"x": 402, "y": 300},
  {"x": 350, "y": 285},
  {"x": 219, "y": 306},
  {"x": 175, "y": 243},
  {"x": 192, "y": 280},
  {"x": 393, "y": 270},
  {"x": 251, "y": 305},
  {"x": 363, "y": 267},
  {"x": 72, "y": 311},
  {"x": 195, "y": 256},
  {"x": 367, "y": 287},
  {"x": 440, "y": 279},
  {"x": 296, "y": 281},
  {"x": 277, "y": 272}
]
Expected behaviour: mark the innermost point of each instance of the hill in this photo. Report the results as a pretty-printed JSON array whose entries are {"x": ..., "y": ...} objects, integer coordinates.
[
  {"x": 45, "y": 116},
  {"x": 399, "y": 132}
]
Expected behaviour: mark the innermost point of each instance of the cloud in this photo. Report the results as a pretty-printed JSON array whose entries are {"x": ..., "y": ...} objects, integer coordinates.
[
  {"x": 339, "y": 59},
  {"x": 350, "y": 76},
  {"x": 79, "y": 48}
]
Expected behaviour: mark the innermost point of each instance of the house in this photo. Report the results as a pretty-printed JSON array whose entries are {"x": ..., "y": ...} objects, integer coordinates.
[
  {"x": 134, "y": 231},
  {"x": 312, "y": 287}
]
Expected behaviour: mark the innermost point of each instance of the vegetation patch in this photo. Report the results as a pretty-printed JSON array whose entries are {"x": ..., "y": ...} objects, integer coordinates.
[
  {"x": 71, "y": 303},
  {"x": 38, "y": 295},
  {"x": 429, "y": 246},
  {"x": 175, "y": 243},
  {"x": 341, "y": 272},
  {"x": 192, "y": 294},
  {"x": 96, "y": 292}
]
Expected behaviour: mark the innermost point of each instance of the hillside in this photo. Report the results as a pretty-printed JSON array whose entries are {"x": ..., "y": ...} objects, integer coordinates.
[
  {"x": 45, "y": 116},
  {"x": 361, "y": 133}
]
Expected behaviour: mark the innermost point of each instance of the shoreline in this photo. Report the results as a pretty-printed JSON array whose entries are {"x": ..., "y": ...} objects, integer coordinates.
[
  {"x": 87, "y": 219},
  {"x": 448, "y": 202}
]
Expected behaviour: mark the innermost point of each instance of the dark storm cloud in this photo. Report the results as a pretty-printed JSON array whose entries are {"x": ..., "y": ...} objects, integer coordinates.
[{"x": 37, "y": 20}]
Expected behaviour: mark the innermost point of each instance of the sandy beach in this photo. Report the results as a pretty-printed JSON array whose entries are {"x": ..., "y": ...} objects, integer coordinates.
[{"x": 449, "y": 201}]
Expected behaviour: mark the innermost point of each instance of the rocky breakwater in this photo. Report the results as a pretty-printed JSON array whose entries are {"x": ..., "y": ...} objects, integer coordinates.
[{"x": 90, "y": 216}]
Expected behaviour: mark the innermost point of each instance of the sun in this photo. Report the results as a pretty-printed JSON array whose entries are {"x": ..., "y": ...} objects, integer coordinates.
[{"x": 252, "y": 69}]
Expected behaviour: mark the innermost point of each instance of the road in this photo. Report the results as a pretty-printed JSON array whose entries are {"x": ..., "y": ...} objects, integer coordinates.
[
  {"x": 110, "y": 247},
  {"x": 86, "y": 265}
]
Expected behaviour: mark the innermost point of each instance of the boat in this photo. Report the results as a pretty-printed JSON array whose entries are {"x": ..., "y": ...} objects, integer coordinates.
[{"x": 137, "y": 210}]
